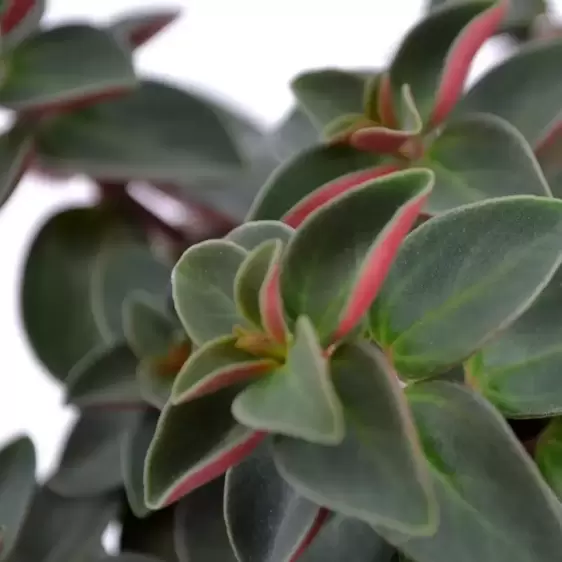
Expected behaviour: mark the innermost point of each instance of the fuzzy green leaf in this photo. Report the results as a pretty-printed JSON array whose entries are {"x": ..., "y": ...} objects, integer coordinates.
[
  {"x": 297, "y": 399},
  {"x": 139, "y": 27},
  {"x": 203, "y": 289},
  {"x": 493, "y": 504},
  {"x": 531, "y": 78},
  {"x": 90, "y": 463},
  {"x": 548, "y": 455},
  {"x": 266, "y": 519},
  {"x": 157, "y": 133},
  {"x": 304, "y": 173},
  {"x": 105, "y": 376},
  {"x": 519, "y": 371},
  {"x": 433, "y": 314},
  {"x": 194, "y": 443},
  {"x": 50, "y": 70},
  {"x": 19, "y": 19},
  {"x": 215, "y": 365},
  {"x": 252, "y": 234},
  {"x": 199, "y": 526},
  {"x": 350, "y": 241},
  {"x": 16, "y": 147},
  {"x": 17, "y": 485},
  {"x": 377, "y": 474},
  {"x": 477, "y": 157}
]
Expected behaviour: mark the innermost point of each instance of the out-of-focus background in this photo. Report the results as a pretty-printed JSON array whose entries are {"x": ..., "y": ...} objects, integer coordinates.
[{"x": 243, "y": 51}]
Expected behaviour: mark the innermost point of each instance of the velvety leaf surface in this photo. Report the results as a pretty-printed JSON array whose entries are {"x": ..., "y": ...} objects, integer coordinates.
[
  {"x": 481, "y": 156},
  {"x": 50, "y": 70},
  {"x": 199, "y": 528},
  {"x": 350, "y": 241},
  {"x": 252, "y": 234},
  {"x": 267, "y": 520},
  {"x": 433, "y": 314},
  {"x": 16, "y": 148},
  {"x": 345, "y": 538},
  {"x": 194, "y": 443},
  {"x": 493, "y": 504},
  {"x": 294, "y": 134},
  {"x": 519, "y": 371},
  {"x": 54, "y": 296},
  {"x": 203, "y": 289},
  {"x": 90, "y": 463},
  {"x": 18, "y": 19},
  {"x": 304, "y": 173},
  {"x": 215, "y": 365},
  {"x": 435, "y": 56},
  {"x": 297, "y": 399},
  {"x": 17, "y": 485},
  {"x": 139, "y": 27},
  {"x": 548, "y": 455},
  {"x": 58, "y": 529},
  {"x": 134, "y": 447},
  {"x": 119, "y": 270},
  {"x": 157, "y": 133},
  {"x": 105, "y": 376},
  {"x": 531, "y": 78},
  {"x": 378, "y": 473},
  {"x": 328, "y": 93}
]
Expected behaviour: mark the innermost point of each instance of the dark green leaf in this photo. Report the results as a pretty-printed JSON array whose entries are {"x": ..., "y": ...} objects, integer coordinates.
[
  {"x": 478, "y": 157},
  {"x": 203, "y": 288},
  {"x": 50, "y": 69},
  {"x": 494, "y": 505},
  {"x": 548, "y": 455},
  {"x": 199, "y": 529},
  {"x": 16, "y": 147},
  {"x": 434, "y": 313},
  {"x": 90, "y": 464},
  {"x": 19, "y": 19},
  {"x": 251, "y": 234},
  {"x": 155, "y": 387},
  {"x": 157, "y": 133},
  {"x": 378, "y": 473},
  {"x": 17, "y": 485},
  {"x": 105, "y": 376},
  {"x": 304, "y": 173},
  {"x": 351, "y": 241},
  {"x": 266, "y": 519},
  {"x": 297, "y": 399}
]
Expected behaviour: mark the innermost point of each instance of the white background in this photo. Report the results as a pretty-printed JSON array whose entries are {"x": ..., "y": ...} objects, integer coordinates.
[{"x": 243, "y": 50}]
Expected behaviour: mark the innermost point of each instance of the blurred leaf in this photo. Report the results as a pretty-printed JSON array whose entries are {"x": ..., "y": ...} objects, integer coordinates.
[
  {"x": 548, "y": 455},
  {"x": 157, "y": 132},
  {"x": 19, "y": 19},
  {"x": 294, "y": 134},
  {"x": 137, "y": 28},
  {"x": 91, "y": 460},
  {"x": 16, "y": 148},
  {"x": 252, "y": 234},
  {"x": 128, "y": 557},
  {"x": 50, "y": 70}
]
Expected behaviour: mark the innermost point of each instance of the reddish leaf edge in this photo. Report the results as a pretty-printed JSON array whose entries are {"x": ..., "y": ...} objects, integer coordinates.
[
  {"x": 271, "y": 303},
  {"x": 149, "y": 25},
  {"x": 386, "y": 104},
  {"x": 210, "y": 470},
  {"x": 15, "y": 14},
  {"x": 460, "y": 57},
  {"x": 315, "y": 528},
  {"x": 378, "y": 262}
]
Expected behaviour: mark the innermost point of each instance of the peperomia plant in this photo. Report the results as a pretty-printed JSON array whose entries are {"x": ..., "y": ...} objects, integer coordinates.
[{"x": 352, "y": 353}]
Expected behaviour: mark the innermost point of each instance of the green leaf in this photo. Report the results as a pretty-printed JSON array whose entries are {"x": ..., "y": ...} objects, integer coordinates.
[
  {"x": 215, "y": 365},
  {"x": 477, "y": 157},
  {"x": 203, "y": 289},
  {"x": 377, "y": 474},
  {"x": 351, "y": 241},
  {"x": 293, "y": 135},
  {"x": 297, "y": 399},
  {"x": 55, "y": 291},
  {"x": 90, "y": 463},
  {"x": 266, "y": 519},
  {"x": 548, "y": 455},
  {"x": 304, "y": 173},
  {"x": 199, "y": 527},
  {"x": 157, "y": 133},
  {"x": 494, "y": 505},
  {"x": 17, "y": 485},
  {"x": 119, "y": 270},
  {"x": 519, "y": 370},
  {"x": 134, "y": 448},
  {"x": 433, "y": 314},
  {"x": 344, "y": 538},
  {"x": 58, "y": 529},
  {"x": 530, "y": 76},
  {"x": 194, "y": 443},
  {"x": 252, "y": 234},
  {"x": 105, "y": 376},
  {"x": 16, "y": 147},
  {"x": 19, "y": 19},
  {"x": 49, "y": 69},
  {"x": 328, "y": 93}
]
